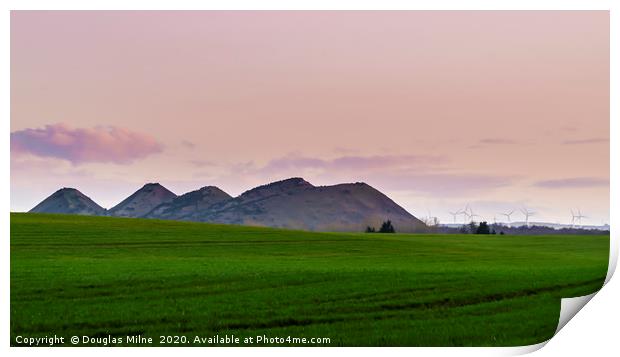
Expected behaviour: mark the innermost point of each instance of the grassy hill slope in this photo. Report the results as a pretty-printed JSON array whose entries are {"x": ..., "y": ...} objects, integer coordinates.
[{"x": 100, "y": 276}]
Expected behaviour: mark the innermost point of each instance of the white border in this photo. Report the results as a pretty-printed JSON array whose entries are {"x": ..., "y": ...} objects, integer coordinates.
[{"x": 594, "y": 329}]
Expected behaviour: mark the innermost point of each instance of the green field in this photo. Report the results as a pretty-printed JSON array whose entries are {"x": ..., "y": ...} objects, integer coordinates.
[{"x": 99, "y": 276}]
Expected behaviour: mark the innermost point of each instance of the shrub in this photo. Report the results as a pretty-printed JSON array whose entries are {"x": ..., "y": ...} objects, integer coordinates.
[{"x": 387, "y": 227}]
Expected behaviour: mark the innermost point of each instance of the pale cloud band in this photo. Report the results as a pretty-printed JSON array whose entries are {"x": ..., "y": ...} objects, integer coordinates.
[
  {"x": 586, "y": 141},
  {"x": 425, "y": 174},
  {"x": 574, "y": 182}
]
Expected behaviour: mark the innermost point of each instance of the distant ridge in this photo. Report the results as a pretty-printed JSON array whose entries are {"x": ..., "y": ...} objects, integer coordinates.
[
  {"x": 188, "y": 204},
  {"x": 143, "y": 201},
  {"x": 297, "y": 204},
  {"x": 69, "y": 201},
  {"x": 292, "y": 203}
]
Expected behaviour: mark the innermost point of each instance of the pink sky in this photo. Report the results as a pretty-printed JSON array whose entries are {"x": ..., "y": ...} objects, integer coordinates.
[{"x": 436, "y": 109}]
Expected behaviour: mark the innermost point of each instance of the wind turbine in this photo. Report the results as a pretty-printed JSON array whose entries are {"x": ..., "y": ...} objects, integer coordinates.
[
  {"x": 431, "y": 220},
  {"x": 527, "y": 213},
  {"x": 472, "y": 215},
  {"x": 465, "y": 214},
  {"x": 454, "y": 214},
  {"x": 579, "y": 216},
  {"x": 508, "y": 214},
  {"x": 572, "y": 222}
]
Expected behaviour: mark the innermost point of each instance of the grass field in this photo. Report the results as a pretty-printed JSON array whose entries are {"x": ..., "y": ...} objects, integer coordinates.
[{"x": 99, "y": 276}]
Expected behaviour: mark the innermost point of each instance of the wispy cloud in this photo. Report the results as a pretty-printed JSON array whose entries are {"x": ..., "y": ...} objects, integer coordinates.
[
  {"x": 443, "y": 185},
  {"x": 497, "y": 142},
  {"x": 83, "y": 145},
  {"x": 586, "y": 141},
  {"x": 574, "y": 182},
  {"x": 188, "y": 144},
  {"x": 346, "y": 163},
  {"x": 202, "y": 163},
  {"x": 415, "y": 173},
  {"x": 484, "y": 143}
]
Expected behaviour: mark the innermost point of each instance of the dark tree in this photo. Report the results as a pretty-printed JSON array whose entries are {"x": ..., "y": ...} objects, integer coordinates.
[
  {"x": 387, "y": 227},
  {"x": 483, "y": 228},
  {"x": 473, "y": 227},
  {"x": 370, "y": 229},
  {"x": 501, "y": 233}
]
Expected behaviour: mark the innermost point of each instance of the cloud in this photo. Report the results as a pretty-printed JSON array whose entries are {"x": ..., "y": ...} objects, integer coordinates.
[
  {"x": 344, "y": 151},
  {"x": 351, "y": 163},
  {"x": 202, "y": 163},
  {"x": 497, "y": 142},
  {"x": 567, "y": 128},
  {"x": 188, "y": 144},
  {"x": 482, "y": 143},
  {"x": 586, "y": 141},
  {"x": 84, "y": 145},
  {"x": 444, "y": 185},
  {"x": 574, "y": 182},
  {"x": 415, "y": 173}
]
